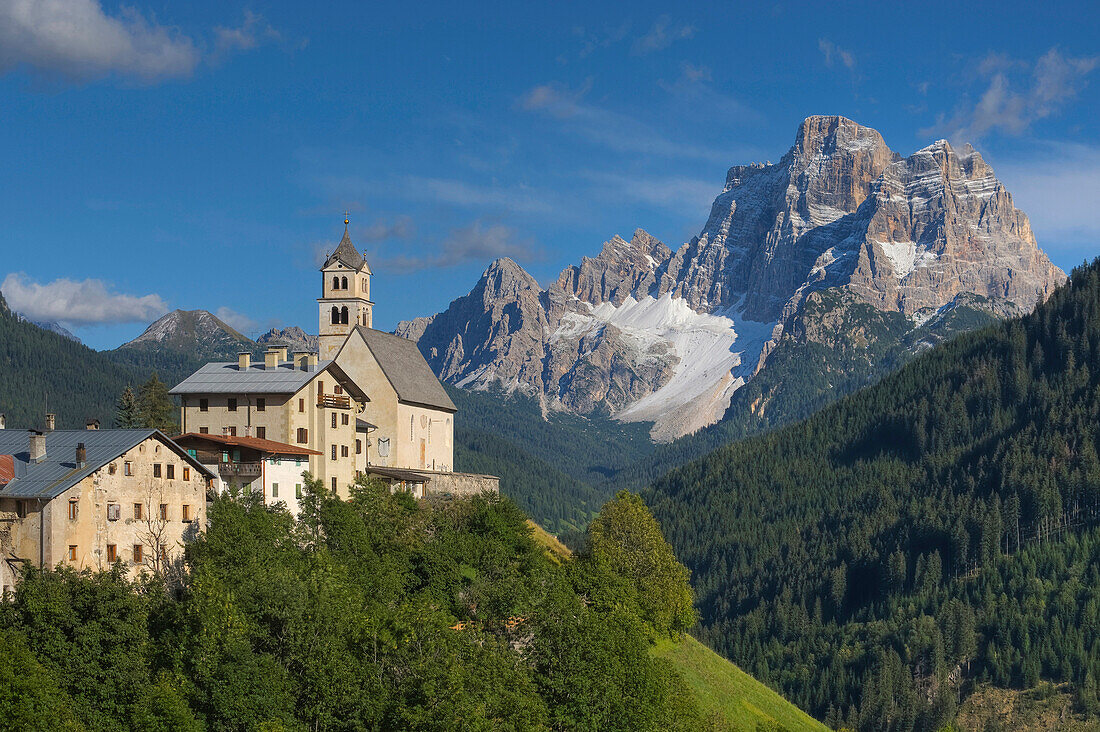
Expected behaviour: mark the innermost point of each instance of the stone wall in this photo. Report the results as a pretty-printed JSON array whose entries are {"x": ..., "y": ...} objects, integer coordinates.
[{"x": 460, "y": 484}]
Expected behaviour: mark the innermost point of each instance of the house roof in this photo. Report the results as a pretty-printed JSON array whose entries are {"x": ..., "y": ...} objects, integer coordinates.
[
  {"x": 403, "y": 364},
  {"x": 345, "y": 254},
  {"x": 409, "y": 476},
  {"x": 7, "y": 469},
  {"x": 227, "y": 378},
  {"x": 256, "y": 443},
  {"x": 59, "y": 472}
]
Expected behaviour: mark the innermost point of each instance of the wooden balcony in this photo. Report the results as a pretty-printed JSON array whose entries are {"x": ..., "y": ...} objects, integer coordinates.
[
  {"x": 334, "y": 401},
  {"x": 247, "y": 470}
]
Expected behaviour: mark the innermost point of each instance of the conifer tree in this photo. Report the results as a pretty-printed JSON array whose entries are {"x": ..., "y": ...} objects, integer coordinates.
[
  {"x": 155, "y": 408},
  {"x": 126, "y": 410}
]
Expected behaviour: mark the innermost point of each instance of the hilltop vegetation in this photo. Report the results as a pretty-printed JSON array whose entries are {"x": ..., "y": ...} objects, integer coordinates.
[
  {"x": 927, "y": 532},
  {"x": 376, "y": 613}
]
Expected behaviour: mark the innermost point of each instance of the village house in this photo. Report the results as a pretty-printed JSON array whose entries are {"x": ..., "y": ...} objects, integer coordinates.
[
  {"x": 367, "y": 402},
  {"x": 251, "y": 465},
  {"x": 90, "y": 498}
]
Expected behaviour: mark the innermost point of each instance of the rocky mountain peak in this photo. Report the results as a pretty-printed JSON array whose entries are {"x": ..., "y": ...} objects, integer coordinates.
[
  {"x": 293, "y": 337},
  {"x": 623, "y": 269},
  {"x": 505, "y": 279},
  {"x": 193, "y": 331}
]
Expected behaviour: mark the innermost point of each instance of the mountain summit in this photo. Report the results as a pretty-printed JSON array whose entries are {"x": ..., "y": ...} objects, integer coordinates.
[{"x": 841, "y": 223}]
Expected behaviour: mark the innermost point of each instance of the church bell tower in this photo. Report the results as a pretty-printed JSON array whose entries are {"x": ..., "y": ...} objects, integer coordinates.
[{"x": 345, "y": 296}]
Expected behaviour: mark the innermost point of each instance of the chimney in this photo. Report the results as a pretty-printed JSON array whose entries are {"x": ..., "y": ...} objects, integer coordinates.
[
  {"x": 282, "y": 351},
  {"x": 311, "y": 361},
  {"x": 81, "y": 456},
  {"x": 51, "y": 420},
  {"x": 271, "y": 359},
  {"x": 37, "y": 446},
  {"x": 91, "y": 424},
  {"x": 301, "y": 360},
  {"x": 244, "y": 360}
]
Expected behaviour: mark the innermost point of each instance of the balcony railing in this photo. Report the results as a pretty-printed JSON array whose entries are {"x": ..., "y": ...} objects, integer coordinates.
[
  {"x": 334, "y": 401},
  {"x": 243, "y": 469}
]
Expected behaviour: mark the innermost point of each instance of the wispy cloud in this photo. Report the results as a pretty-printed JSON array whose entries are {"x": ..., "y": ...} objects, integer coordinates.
[
  {"x": 478, "y": 242},
  {"x": 401, "y": 227},
  {"x": 612, "y": 130},
  {"x": 1011, "y": 104},
  {"x": 835, "y": 55},
  {"x": 78, "y": 41},
  {"x": 662, "y": 35},
  {"x": 680, "y": 194},
  {"x": 1058, "y": 186},
  {"x": 237, "y": 321},
  {"x": 83, "y": 302}
]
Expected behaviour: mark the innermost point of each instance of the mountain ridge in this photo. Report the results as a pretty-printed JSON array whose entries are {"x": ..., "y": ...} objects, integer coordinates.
[{"x": 645, "y": 333}]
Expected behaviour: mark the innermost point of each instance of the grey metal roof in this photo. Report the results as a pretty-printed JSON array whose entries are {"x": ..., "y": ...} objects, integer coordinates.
[
  {"x": 226, "y": 378},
  {"x": 58, "y": 472},
  {"x": 405, "y": 367},
  {"x": 345, "y": 254}
]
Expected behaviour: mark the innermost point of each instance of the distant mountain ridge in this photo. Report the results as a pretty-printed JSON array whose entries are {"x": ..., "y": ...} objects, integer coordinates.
[{"x": 648, "y": 334}]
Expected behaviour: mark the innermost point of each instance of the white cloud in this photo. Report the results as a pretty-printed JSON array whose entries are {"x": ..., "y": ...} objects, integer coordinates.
[
  {"x": 662, "y": 35},
  {"x": 1012, "y": 105},
  {"x": 690, "y": 196},
  {"x": 477, "y": 242},
  {"x": 834, "y": 54},
  {"x": 238, "y": 321},
  {"x": 401, "y": 227},
  {"x": 253, "y": 31},
  {"x": 77, "y": 40},
  {"x": 1058, "y": 187},
  {"x": 86, "y": 302}
]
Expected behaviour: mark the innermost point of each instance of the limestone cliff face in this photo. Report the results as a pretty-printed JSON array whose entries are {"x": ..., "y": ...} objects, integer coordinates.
[{"x": 642, "y": 332}]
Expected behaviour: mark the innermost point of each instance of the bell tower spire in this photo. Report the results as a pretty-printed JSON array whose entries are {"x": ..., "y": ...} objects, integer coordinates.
[{"x": 345, "y": 295}]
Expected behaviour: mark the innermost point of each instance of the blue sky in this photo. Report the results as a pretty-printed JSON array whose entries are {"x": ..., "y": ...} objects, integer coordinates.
[{"x": 201, "y": 154}]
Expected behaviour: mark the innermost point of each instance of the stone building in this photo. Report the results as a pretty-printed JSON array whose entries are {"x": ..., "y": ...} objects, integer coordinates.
[
  {"x": 367, "y": 399},
  {"x": 91, "y": 498}
]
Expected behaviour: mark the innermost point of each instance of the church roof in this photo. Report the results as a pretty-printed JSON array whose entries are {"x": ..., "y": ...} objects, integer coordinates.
[
  {"x": 403, "y": 364},
  {"x": 345, "y": 254}
]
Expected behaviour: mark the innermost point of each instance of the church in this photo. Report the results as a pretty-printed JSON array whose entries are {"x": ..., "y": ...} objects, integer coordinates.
[{"x": 367, "y": 403}]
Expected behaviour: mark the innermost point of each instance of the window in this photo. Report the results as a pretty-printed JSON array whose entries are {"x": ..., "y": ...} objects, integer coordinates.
[
  {"x": 73, "y": 505},
  {"x": 334, "y": 420},
  {"x": 274, "y": 490},
  {"x": 170, "y": 471},
  {"x": 297, "y": 490},
  {"x": 186, "y": 514},
  {"x": 358, "y": 447},
  {"x": 204, "y": 405},
  {"x": 337, "y": 389},
  {"x": 163, "y": 552},
  {"x": 333, "y": 457},
  {"x": 232, "y": 404},
  {"x": 320, "y": 387},
  {"x": 231, "y": 431},
  {"x": 156, "y": 470},
  {"x": 335, "y": 315},
  {"x": 261, "y": 432},
  {"x": 303, "y": 435},
  {"x": 261, "y": 404},
  {"x": 204, "y": 430},
  {"x": 137, "y": 512},
  {"x": 344, "y": 315},
  {"x": 139, "y": 553},
  {"x": 72, "y": 552},
  {"x": 186, "y": 473},
  {"x": 343, "y": 450},
  {"x": 343, "y": 283},
  {"x": 111, "y": 469},
  {"x": 344, "y": 418},
  {"x": 336, "y": 283},
  {"x": 21, "y": 509},
  {"x": 113, "y": 511},
  {"x": 164, "y": 512},
  {"x": 127, "y": 468},
  {"x": 301, "y": 405},
  {"x": 334, "y": 485},
  {"x": 112, "y": 553}
]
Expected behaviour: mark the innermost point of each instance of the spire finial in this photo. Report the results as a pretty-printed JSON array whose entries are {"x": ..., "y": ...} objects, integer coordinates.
[{"x": 345, "y": 218}]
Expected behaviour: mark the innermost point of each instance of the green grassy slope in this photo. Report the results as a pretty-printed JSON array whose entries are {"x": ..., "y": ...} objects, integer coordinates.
[{"x": 724, "y": 689}]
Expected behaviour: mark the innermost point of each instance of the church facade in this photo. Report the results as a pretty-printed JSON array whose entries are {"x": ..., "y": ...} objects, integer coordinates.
[{"x": 366, "y": 403}]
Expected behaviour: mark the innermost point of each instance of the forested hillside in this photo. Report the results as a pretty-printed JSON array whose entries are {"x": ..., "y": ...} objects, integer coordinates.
[
  {"x": 380, "y": 612},
  {"x": 38, "y": 367},
  {"x": 927, "y": 532}
]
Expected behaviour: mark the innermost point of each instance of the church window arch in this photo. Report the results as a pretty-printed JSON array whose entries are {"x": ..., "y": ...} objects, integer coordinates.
[
  {"x": 344, "y": 315},
  {"x": 336, "y": 283},
  {"x": 343, "y": 283},
  {"x": 335, "y": 315}
]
